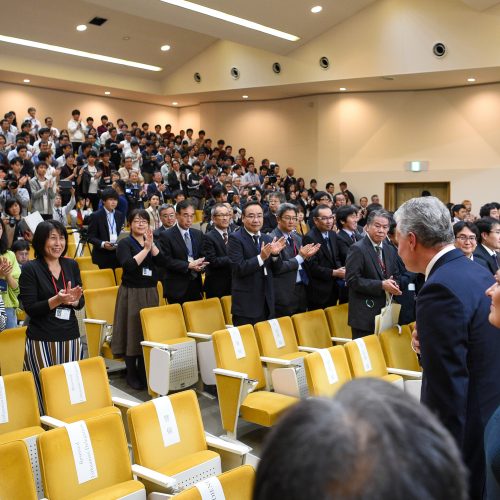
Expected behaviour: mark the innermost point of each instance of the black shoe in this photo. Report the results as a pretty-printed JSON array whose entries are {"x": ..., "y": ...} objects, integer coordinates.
[
  {"x": 210, "y": 389},
  {"x": 135, "y": 383}
]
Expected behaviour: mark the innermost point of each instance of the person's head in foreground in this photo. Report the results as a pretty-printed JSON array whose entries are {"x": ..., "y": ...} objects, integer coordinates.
[{"x": 370, "y": 442}]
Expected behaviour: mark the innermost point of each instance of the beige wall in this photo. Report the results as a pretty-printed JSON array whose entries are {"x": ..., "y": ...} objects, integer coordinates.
[{"x": 59, "y": 105}]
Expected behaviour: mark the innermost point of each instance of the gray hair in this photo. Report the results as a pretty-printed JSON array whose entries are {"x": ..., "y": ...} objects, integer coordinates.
[
  {"x": 427, "y": 218},
  {"x": 276, "y": 194},
  {"x": 215, "y": 207},
  {"x": 285, "y": 207},
  {"x": 378, "y": 213},
  {"x": 165, "y": 206}
]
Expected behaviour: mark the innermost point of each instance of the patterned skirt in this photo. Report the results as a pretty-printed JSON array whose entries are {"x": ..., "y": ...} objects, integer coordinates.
[{"x": 42, "y": 354}]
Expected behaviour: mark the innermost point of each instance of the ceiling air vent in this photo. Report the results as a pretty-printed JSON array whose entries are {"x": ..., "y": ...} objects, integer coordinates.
[{"x": 97, "y": 21}]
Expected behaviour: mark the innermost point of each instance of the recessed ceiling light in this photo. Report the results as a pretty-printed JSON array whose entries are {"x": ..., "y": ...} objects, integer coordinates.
[
  {"x": 107, "y": 92},
  {"x": 471, "y": 80},
  {"x": 244, "y": 96},
  {"x": 26, "y": 80},
  {"x": 342, "y": 89},
  {"x": 164, "y": 48},
  {"x": 78, "y": 53},
  {"x": 316, "y": 9},
  {"x": 126, "y": 38},
  {"x": 231, "y": 19},
  {"x": 81, "y": 27},
  {"x": 175, "y": 103}
]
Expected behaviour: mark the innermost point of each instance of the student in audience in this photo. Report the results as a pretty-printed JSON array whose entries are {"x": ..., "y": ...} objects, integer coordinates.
[
  {"x": 61, "y": 213},
  {"x": 42, "y": 191},
  {"x": 137, "y": 255},
  {"x": 51, "y": 291},
  {"x": 489, "y": 210},
  {"x": 154, "y": 214},
  {"x": 486, "y": 252},
  {"x": 466, "y": 236},
  {"x": 11, "y": 221},
  {"x": 371, "y": 441},
  {"x": 21, "y": 249},
  {"x": 458, "y": 213}
]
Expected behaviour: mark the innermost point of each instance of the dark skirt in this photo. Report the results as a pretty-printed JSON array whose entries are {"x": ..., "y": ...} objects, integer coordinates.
[{"x": 127, "y": 328}]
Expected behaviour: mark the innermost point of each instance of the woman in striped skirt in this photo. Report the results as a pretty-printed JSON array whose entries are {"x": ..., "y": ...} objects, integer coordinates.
[{"x": 51, "y": 290}]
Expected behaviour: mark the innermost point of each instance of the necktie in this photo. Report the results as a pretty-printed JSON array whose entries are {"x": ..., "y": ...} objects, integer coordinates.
[
  {"x": 378, "y": 250},
  {"x": 496, "y": 264},
  {"x": 224, "y": 236},
  {"x": 256, "y": 242},
  {"x": 328, "y": 245},
  {"x": 189, "y": 246},
  {"x": 79, "y": 218},
  {"x": 353, "y": 238}
]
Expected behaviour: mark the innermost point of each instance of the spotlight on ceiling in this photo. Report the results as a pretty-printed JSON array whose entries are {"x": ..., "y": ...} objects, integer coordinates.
[
  {"x": 81, "y": 27},
  {"x": 316, "y": 9}
]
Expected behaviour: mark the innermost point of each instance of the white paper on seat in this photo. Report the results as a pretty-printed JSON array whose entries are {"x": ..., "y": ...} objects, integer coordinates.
[
  {"x": 277, "y": 333},
  {"x": 210, "y": 489},
  {"x": 75, "y": 382},
  {"x": 365, "y": 357},
  {"x": 4, "y": 412},
  {"x": 329, "y": 365},
  {"x": 83, "y": 454},
  {"x": 239, "y": 348},
  {"x": 167, "y": 421}
]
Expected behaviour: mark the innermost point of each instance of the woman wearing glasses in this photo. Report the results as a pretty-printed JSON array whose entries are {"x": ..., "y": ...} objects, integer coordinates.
[
  {"x": 466, "y": 236},
  {"x": 137, "y": 254}
]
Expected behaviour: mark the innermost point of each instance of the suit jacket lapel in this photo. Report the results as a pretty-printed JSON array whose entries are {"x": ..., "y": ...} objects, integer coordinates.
[
  {"x": 374, "y": 258},
  {"x": 180, "y": 239}
]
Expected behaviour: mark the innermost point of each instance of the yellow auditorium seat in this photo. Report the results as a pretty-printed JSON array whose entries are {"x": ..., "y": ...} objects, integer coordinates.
[
  {"x": 100, "y": 308},
  {"x": 226, "y": 308},
  {"x": 337, "y": 321},
  {"x": 326, "y": 371},
  {"x": 312, "y": 330},
  {"x": 203, "y": 317},
  {"x": 240, "y": 381},
  {"x": 276, "y": 339},
  {"x": 85, "y": 264},
  {"x": 175, "y": 364},
  {"x": 78, "y": 390},
  {"x": 12, "y": 349},
  {"x": 102, "y": 278},
  {"x": 104, "y": 469},
  {"x": 366, "y": 359},
  {"x": 396, "y": 346},
  {"x": 169, "y": 442},
  {"x": 16, "y": 478},
  {"x": 236, "y": 484},
  {"x": 161, "y": 299},
  {"x": 118, "y": 275}
]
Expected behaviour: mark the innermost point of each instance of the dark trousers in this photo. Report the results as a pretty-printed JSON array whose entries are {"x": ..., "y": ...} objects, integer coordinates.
[
  {"x": 297, "y": 303},
  {"x": 245, "y": 320},
  {"x": 193, "y": 292},
  {"x": 357, "y": 333}
]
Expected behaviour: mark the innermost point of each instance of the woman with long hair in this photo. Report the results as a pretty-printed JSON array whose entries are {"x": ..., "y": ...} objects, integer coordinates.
[{"x": 9, "y": 276}]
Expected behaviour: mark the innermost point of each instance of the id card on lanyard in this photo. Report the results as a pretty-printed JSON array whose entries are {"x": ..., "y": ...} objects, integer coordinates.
[
  {"x": 146, "y": 272},
  {"x": 113, "y": 236},
  {"x": 63, "y": 313}
]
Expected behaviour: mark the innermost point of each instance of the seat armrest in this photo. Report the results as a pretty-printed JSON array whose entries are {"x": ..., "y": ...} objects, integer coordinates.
[
  {"x": 405, "y": 373},
  {"x": 230, "y": 373},
  {"x": 340, "y": 340},
  {"x": 236, "y": 448},
  {"x": 278, "y": 361},
  {"x": 200, "y": 336},
  {"x": 158, "y": 345},
  {"x": 308, "y": 349},
  {"x": 125, "y": 403},
  {"x": 229, "y": 326},
  {"x": 52, "y": 422},
  {"x": 95, "y": 321},
  {"x": 153, "y": 476}
]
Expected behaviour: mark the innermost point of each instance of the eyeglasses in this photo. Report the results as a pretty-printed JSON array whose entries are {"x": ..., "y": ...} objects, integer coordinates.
[
  {"x": 254, "y": 216},
  {"x": 140, "y": 222},
  {"x": 325, "y": 219},
  {"x": 288, "y": 218},
  {"x": 463, "y": 238}
]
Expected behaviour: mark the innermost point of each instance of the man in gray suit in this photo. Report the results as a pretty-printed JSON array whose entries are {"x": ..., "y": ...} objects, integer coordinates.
[
  {"x": 291, "y": 279},
  {"x": 371, "y": 272}
]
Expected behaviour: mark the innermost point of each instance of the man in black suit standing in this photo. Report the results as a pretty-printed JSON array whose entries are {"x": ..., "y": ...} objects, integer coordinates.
[
  {"x": 218, "y": 273},
  {"x": 488, "y": 244},
  {"x": 324, "y": 269},
  {"x": 167, "y": 219},
  {"x": 270, "y": 220},
  {"x": 291, "y": 279},
  {"x": 459, "y": 348},
  {"x": 372, "y": 272},
  {"x": 181, "y": 247},
  {"x": 253, "y": 257},
  {"x": 104, "y": 227}
]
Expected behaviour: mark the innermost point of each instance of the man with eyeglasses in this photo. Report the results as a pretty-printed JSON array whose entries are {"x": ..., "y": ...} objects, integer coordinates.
[
  {"x": 488, "y": 246},
  {"x": 324, "y": 269},
  {"x": 372, "y": 273},
  {"x": 181, "y": 247},
  {"x": 254, "y": 257},
  {"x": 218, "y": 273},
  {"x": 291, "y": 279}
]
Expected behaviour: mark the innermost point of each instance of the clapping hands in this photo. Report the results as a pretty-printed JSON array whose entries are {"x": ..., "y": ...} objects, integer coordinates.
[{"x": 70, "y": 296}]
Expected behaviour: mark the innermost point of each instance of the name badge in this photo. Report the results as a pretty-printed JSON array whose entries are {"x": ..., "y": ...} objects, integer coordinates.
[
  {"x": 63, "y": 313},
  {"x": 113, "y": 237},
  {"x": 147, "y": 272}
]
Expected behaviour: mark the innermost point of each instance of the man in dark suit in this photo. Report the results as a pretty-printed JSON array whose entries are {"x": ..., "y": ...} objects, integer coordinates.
[
  {"x": 218, "y": 273},
  {"x": 270, "y": 220},
  {"x": 253, "y": 257},
  {"x": 324, "y": 269},
  {"x": 459, "y": 348},
  {"x": 167, "y": 219},
  {"x": 371, "y": 272},
  {"x": 157, "y": 186},
  {"x": 291, "y": 279},
  {"x": 181, "y": 248},
  {"x": 349, "y": 197},
  {"x": 488, "y": 244},
  {"x": 104, "y": 227}
]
